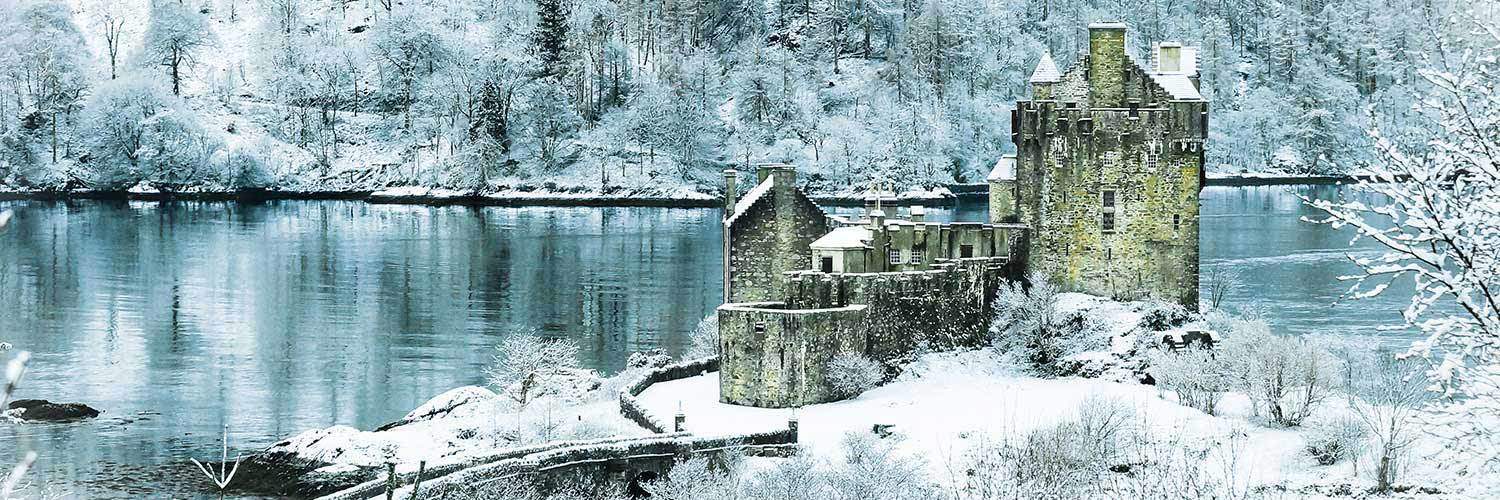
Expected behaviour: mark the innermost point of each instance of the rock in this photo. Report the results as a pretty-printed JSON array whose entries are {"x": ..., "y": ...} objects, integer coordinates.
[
  {"x": 462, "y": 401},
  {"x": 41, "y": 410}
]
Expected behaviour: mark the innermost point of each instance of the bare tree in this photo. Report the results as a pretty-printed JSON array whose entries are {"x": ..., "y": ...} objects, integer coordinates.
[
  {"x": 1386, "y": 395},
  {"x": 174, "y": 37},
  {"x": 525, "y": 362},
  {"x": 111, "y": 20}
]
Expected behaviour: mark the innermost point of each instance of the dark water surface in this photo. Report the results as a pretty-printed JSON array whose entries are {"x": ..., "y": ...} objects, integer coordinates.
[{"x": 177, "y": 319}]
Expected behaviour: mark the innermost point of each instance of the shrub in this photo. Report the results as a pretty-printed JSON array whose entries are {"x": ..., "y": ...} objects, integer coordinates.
[
  {"x": 1198, "y": 379},
  {"x": 1335, "y": 441},
  {"x": 1287, "y": 376},
  {"x": 1027, "y": 327},
  {"x": 704, "y": 339},
  {"x": 1159, "y": 316},
  {"x": 851, "y": 374},
  {"x": 873, "y": 469}
]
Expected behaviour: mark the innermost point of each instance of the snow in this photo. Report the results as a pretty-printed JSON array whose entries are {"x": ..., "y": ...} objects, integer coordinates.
[
  {"x": 947, "y": 403},
  {"x": 1178, "y": 85},
  {"x": 749, "y": 200},
  {"x": 844, "y": 237},
  {"x": 1004, "y": 170},
  {"x": 1046, "y": 70}
]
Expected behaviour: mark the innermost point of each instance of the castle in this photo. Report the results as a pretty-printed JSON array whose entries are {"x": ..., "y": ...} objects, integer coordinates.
[{"x": 1101, "y": 197}]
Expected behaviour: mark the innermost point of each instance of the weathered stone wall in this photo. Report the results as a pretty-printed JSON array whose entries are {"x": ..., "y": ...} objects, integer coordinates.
[
  {"x": 1152, "y": 164},
  {"x": 769, "y": 239},
  {"x": 1003, "y": 201},
  {"x": 1107, "y": 63},
  {"x": 775, "y": 357},
  {"x": 945, "y": 307}
]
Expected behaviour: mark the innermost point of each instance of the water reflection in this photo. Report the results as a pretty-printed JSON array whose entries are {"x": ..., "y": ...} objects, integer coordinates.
[{"x": 176, "y": 319}]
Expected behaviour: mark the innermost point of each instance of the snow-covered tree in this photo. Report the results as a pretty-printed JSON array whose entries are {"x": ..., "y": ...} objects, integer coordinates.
[
  {"x": 1435, "y": 210},
  {"x": 525, "y": 364},
  {"x": 48, "y": 64},
  {"x": 851, "y": 374},
  {"x": 175, "y": 35},
  {"x": 115, "y": 132}
]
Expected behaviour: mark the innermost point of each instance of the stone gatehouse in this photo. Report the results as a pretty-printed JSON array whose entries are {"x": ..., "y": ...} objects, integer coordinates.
[{"x": 1101, "y": 197}]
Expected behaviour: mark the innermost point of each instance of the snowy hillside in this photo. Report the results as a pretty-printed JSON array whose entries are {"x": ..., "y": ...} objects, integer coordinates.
[{"x": 625, "y": 99}]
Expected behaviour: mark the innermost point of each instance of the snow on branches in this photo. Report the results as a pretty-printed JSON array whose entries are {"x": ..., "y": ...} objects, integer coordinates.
[{"x": 1439, "y": 223}]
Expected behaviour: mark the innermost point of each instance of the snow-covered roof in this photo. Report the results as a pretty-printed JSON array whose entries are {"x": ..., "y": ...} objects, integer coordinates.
[
  {"x": 1005, "y": 169},
  {"x": 1108, "y": 25},
  {"x": 749, "y": 200},
  {"x": 1179, "y": 85},
  {"x": 844, "y": 237},
  {"x": 1046, "y": 70}
]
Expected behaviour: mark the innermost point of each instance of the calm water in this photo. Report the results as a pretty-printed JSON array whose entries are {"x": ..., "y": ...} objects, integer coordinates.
[{"x": 176, "y": 319}]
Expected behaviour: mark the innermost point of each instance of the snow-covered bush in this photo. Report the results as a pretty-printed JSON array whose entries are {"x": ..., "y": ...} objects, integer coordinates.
[
  {"x": 872, "y": 468},
  {"x": 704, "y": 339},
  {"x": 796, "y": 478},
  {"x": 1335, "y": 440},
  {"x": 701, "y": 479},
  {"x": 1194, "y": 374},
  {"x": 1159, "y": 316},
  {"x": 1027, "y": 327},
  {"x": 525, "y": 364},
  {"x": 174, "y": 149},
  {"x": 851, "y": 374},
  {"x": 1386, "y": 396},
  {"x": 1287, "y": 376}
]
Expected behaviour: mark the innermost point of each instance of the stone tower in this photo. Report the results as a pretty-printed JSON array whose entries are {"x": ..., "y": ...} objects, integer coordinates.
[{"x": 1109, "y": 164}]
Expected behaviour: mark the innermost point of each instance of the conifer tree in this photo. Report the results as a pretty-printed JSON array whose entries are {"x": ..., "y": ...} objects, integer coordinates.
[{"x": 551, "y": 35}]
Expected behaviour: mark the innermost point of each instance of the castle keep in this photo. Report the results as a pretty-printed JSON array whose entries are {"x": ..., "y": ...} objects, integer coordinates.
[
  {"x": 1101, "y": 197},
  {"x": 1108, "y": 166}
]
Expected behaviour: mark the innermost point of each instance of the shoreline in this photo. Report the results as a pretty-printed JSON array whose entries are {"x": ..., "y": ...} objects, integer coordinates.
[{"x": 563, "y": 199}]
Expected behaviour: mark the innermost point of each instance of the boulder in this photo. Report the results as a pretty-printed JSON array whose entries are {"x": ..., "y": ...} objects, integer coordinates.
[{"x": 41, "y": 410}]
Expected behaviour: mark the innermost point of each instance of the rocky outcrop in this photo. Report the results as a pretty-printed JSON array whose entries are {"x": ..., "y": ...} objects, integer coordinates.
[{"x": 41, "y": 410}]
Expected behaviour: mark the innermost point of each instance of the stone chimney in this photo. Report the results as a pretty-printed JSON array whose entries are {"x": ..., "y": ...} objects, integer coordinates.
[
  {"x": 1107, "y": 65},
  {"x": 1168, "y": 58},
  {"x": 729, "y": 191}
]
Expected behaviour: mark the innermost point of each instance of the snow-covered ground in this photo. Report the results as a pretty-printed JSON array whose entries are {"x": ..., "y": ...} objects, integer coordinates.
[{"x": 946, "y": 404}]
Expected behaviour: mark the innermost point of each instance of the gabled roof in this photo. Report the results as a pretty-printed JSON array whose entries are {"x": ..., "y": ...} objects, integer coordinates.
[
  {"x": 1005, "y": 169},
  {"x": 755, "y": 194},
  {"x": 1046, "y": 70},
  {"x": 844, "y": 237}
]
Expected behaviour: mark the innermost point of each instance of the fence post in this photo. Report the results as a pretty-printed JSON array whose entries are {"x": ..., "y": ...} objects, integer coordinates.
[
  {"x": 791, "y": 425},
  {"x": 390, "y": 480},
  {"x": 417, "y": 486}
]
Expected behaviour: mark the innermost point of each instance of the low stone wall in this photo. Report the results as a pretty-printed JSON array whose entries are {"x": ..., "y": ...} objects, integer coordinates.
[{"x": 631, "y": 408}]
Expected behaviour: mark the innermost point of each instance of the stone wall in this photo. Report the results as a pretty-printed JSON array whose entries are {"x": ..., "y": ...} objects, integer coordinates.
[
  {"x": 769, "y": 239},
  {"x": 774, "y": 357},
  {"x": 1145, "y": 152}
]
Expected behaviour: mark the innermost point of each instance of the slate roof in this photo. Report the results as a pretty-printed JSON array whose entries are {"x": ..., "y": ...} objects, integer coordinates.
[
  {"x": 744, "y": 204},
  {"x": 1005, "y": 169},
  {"x": 1046, "y": 70}
]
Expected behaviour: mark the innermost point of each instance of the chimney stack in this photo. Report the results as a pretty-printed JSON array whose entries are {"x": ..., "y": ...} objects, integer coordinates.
[
  {"x": 730, "y": 193},
  {"x": 1107, "y": 65}
]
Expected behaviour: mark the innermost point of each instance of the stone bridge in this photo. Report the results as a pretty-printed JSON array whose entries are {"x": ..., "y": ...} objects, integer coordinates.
[{"x": 597, "y": 464}]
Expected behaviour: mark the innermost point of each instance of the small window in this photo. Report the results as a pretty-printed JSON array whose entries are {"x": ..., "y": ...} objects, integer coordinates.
[
  {"x": 895, "y": 256},
  {"x": 1109, "y": 254},
  {"x": 827, "y": 264},
  {"x": 1109, "y": 199},
  {"x": 1176, "y": 222},
  {"x": 1109, "y": 221},
  {"x": 1062, "y": 125},
  {"x": 760, "y": 328},
  {"x": 916, "y": 256},
  {"x": 1135, "y": 110},
  {"x": 966, "y": 251}
]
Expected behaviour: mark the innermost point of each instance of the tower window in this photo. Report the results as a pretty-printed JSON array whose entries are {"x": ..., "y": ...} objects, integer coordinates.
[
  {"x": 965, "y": 251},
  {"x": 1109, "y": 221},
  {"x": 1109, "y": 199},
  {"x": 760, "y": 328},
  {"x": 1176, "y": 222},
  {"x": 895, "y": 256},
  {"x": 1135, "y": 110},
  {"x": 916, "y": 256},
  {"x": 827, "y": 263}
]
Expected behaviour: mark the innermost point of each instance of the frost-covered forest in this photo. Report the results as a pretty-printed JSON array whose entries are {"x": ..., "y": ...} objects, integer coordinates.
[{"x": 653, "y": 98}]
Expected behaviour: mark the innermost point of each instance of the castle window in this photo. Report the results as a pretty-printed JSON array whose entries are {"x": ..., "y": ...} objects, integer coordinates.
[
  {"x": 1062, "y": 125},
  {"x": 1135, "y": 109},
  {"x": 1109, "y": 222},
  {"x": 827, "y": 264},
  {"x": 965, "y": 251},
  {"x": 760, "y": 328},
  {"x": 916, "y": 256},
  {"x": 895, "y": 256},
  {"x": 1086, "y": 126},
  {"x": 1109, "y": 199},
  {"x": 1176, "y": 222}
]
